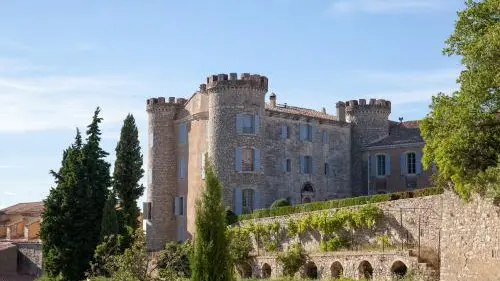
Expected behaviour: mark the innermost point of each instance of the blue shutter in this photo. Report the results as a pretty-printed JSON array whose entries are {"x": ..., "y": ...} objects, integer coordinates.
[
  {"x": 257, "y": 159},
  {"x": 387, "y": 164},
  {"x": 176, "y": 206},
  {"x": 325, "y": 137},
  {"x": 256, "y": 200},
  {"x": 298, "y": 132},
  {"x": 402, "y": 164},
  {"x": 180, "y": 230},
  {"x": 257, "y": 124},
  {"x": 303, "y": 132},
  {"x": 312, "y": 165},
  {"x": 237, "y": 201},
  {"x": 418, "y": 162},
  {"x": 313, "y": 132},
  {"x": 283, "y": 164},
  {"x": 239, "y": 123},
  {"x": 373, "y": 166},
  {"x": 184, "y": 205},
  {"x": 284, "y": 132},
  {"x": 302, "y": 164},
  {"x": 237, "y": 159},
  {"x": 182, "y": 168}
]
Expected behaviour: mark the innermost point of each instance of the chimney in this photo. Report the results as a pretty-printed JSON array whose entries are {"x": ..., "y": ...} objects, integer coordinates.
[
  {"x": 340, "y": 111},
  {"x": 323, "y": 110},
  {"x": 272, "y": 100}
]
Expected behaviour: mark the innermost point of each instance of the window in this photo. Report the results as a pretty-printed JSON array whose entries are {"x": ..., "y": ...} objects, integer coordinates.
[
  {"x": 306, "y": 132},
  {"x": 381, "y": 165},
  {"x": 305, "y": 164},
  {"x": 183, "y": 133},
  {"x": 180, "y": 206},
  {"x": 411, "y": 163},
  {"x": 325, "y": 137},
  {"x": 247, "y": 159},
  {"x": 288, "y": 165},
  {"x": 327, "y": 169},
  {"x": 146, "y": 206},
  {"x": 247, "y": 124},
  {"x": 247, "y": 200}
]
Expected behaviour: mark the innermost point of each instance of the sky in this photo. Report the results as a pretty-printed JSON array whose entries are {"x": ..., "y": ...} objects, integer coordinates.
[{"x": 59, "y": 60}]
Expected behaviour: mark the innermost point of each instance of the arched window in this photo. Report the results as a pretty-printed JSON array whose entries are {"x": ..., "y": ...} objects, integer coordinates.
[{"x": 247, "y": 200}]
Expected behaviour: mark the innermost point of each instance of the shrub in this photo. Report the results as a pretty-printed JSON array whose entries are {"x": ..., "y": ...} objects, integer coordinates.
[
  {"x": 231, "y": 217},
  {"x": 334, "y": 244},
  {"x": 173, "y": 261},
  {"x": 339, "y": 203},
  {"x": 292, "y": 259},
  {"x": 280, "y": 203}
]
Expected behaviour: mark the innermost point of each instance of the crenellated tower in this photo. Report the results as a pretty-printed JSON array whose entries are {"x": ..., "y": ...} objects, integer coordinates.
[
  {"x": 229, "y": 99},
  {"x": 369, "y": 122},
  {"x": 159, "y": 219}
]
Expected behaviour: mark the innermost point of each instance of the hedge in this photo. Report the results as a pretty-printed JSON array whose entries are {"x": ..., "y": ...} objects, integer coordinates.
[{"x": 339, "y": 203}]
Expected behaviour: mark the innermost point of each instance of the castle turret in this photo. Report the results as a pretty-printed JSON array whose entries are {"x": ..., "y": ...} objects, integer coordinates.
[
  {"x": 159, "y": 219},
  {"x": 235, "y": 135},
  {"x": 369, "y": 122}
]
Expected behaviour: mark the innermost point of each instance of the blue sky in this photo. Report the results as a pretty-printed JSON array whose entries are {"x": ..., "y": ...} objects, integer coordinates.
[{"x": 59, "y": 60}]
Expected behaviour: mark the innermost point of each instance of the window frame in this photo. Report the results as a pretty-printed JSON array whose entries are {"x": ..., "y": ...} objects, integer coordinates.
[
  {"x": 409, "y": 164},
  {"x": 288, "y": 167},
  {"x": 326, "y": 168},
  {"x": 247, "y": 130},
  {"x": 247, "y": 152},
  {"x": 307, "y": 164},
  {"x": 247, "y": 200},
  {"x": 380, "y": 167}
]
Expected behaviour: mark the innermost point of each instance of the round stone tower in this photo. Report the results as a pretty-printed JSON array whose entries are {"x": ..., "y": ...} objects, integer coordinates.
[
  {"x": 229, "y": 97},
  {"x": 160, "y": 223},
  {"x": 369, "y": 122}
]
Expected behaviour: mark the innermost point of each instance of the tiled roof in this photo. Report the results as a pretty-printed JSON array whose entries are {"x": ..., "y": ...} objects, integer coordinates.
[
  {"x": 30, "y": 208},
  {"x": 400, "y": 133},
  {"x": 301, "y": 111}
]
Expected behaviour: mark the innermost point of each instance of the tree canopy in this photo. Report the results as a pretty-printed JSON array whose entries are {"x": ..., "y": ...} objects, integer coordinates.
[{"x": 462, "y": 130}]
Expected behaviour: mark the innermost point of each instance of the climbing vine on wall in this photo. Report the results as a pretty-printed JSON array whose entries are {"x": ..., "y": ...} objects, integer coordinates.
[{"x": 331, "y": 225}]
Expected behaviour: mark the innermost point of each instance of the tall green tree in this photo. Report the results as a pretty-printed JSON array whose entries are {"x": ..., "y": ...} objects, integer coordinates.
[
  {"x": 128, "y": 171},
  {"x": 72, "y": 218},
  {"x": 462, "y": 131},
  {"x": 109, "y": 224},
  {"x": 211, "y": 260}
]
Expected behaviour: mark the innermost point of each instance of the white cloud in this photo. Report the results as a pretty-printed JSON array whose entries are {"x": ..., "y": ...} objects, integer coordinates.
[
  {"x": 43, "y": 102},
  {"x": 386, "y": 6}
]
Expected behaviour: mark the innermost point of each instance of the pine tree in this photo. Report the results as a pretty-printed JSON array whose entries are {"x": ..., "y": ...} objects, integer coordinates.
[
  {"x": 72, "y": 216},
  {"x": 128, "y": 171},
  {"x": 211, "y": 260}
]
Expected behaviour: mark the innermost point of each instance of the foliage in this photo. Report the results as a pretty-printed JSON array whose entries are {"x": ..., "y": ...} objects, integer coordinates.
[
  {"x": 283, "y": 202},
  {"x": 267, "y": 235},
  {"x": 292, "y": 259},
  {"x": 110, "y": 246},
  {"x": 109, "y": 224},
  {"x": 334, "y": 244},
  {"x": 462, "y": 131},
  {"x": 383, "y": 240},
  {"x": 69, "y": 229},
  {"x": 127, "y": 172},
  {"x": 211, "y": 260},
  {"x": 231, "y": 217},
  {"x": 173, "y": 261},
  {"x": 240, "y": 244},
  {"x": 338, "y": 203}
]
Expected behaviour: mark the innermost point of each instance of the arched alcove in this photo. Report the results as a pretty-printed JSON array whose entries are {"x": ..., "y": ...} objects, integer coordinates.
[
  {"x": 311, "y": 270},
  {"x": 365, "y": 270},
  {"x": 266, "y": 271},
  {"x": 244, "y": 269},
  {"x": 336, "y": 270},
  {"x": 399, "y": 269}
]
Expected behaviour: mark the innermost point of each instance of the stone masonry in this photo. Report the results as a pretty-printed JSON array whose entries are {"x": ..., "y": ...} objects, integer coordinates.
[{"x": 261, "y": 151}]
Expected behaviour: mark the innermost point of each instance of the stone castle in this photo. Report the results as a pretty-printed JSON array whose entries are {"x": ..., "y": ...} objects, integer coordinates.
[{"x": 264, "y": 151}]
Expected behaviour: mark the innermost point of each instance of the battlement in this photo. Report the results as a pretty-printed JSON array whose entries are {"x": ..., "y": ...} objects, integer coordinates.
[
  {"x": 160, "y": 101},
  {"x": 375, "y": 104},
  {"x": 231, "y": 80}
]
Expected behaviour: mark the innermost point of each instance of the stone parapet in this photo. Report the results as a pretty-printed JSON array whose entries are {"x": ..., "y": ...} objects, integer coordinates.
[{"x": 246, "y": 80}]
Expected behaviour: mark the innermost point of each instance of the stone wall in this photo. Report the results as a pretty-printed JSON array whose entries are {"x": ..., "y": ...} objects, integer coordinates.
[
  {"x": 8, "y": 258},
  {"x": 29, "y": 260},
  {"x": 470, "y": 248}
]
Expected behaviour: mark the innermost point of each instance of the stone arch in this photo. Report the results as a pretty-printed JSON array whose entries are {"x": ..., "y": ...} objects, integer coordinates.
[
  {"x": 307, "y": 192},
  {"x": 365, "y": 270},
  {"x": 244, "y": 269},
  {"x": 307, "y": 187},
  {"x": 266, "y": 271},
  {"x": 336, "y": 270},
  {"x": 311, "y": 270},
  {"x": 399, "y": 269},
  {"x": 306, "y": 200}
]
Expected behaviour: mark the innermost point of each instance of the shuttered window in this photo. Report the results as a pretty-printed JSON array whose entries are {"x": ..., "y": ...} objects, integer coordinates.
[
  {"x": 247, "y": 159},
  {"x": 247, "y": 124},
  {"x": 183, "y": 133},
  {"x": 411, "y": 163}
]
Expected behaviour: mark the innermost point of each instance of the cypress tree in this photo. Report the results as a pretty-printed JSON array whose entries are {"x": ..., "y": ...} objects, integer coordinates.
[
  {"x": 128, "y": 171},
  {"x": 211, "y": 260}
]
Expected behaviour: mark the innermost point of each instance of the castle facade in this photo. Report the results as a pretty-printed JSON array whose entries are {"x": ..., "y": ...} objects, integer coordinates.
[{"x": 264, "y": 151}]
